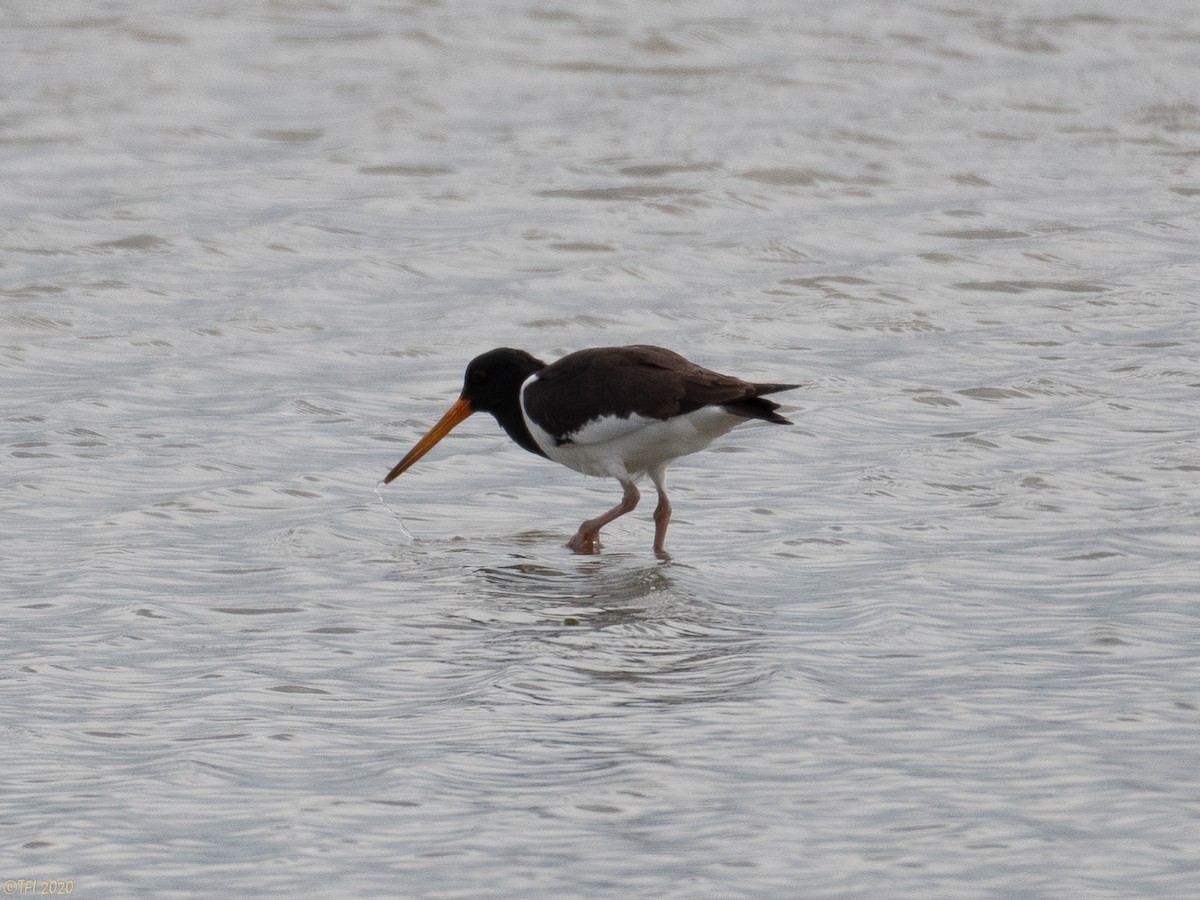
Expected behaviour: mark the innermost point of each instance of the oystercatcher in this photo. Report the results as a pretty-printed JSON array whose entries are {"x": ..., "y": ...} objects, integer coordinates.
[{"x": 620, "y": 412}]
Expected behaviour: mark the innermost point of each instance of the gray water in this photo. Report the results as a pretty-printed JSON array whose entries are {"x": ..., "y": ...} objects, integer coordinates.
[{"x": 939, "y": 639}]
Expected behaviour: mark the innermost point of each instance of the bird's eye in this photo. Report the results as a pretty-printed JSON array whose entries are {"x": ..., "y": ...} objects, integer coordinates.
[{"x": 477, "y": 376}]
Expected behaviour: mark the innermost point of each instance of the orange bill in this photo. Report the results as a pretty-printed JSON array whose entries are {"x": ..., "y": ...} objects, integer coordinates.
[{"x": 455, "y": 414}]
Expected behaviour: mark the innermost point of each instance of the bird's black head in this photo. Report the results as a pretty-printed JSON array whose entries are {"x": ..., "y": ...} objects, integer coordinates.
[
  {"x": 493, "y": 381},
  {"x": 493, "y": 384}
]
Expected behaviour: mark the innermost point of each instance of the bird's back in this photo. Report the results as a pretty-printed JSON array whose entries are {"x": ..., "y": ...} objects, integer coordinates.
[{"x": 642, "y": 380}]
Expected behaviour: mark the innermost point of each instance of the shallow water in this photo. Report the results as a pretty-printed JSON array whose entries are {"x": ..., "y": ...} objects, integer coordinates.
[{"x": 939, "y": 638}]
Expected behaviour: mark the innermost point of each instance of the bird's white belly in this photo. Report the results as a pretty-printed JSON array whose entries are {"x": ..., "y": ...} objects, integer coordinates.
[{"x": 629, "y": 447}]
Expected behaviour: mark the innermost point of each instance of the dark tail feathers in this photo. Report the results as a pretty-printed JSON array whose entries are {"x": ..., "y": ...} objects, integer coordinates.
[{"x": 758, "y": 408}]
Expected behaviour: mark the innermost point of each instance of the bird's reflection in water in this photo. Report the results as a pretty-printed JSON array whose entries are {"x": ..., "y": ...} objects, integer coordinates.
[
  {"x": 610, "y": 583},
  {"x": 637, "y": 632}
]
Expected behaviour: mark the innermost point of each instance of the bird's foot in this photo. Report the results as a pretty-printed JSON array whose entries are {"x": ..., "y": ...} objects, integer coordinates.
[{"x": 587, "y": 542}]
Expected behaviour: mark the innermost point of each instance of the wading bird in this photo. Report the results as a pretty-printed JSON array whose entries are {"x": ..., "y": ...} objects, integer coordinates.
[{"x": 620, "y": 412}]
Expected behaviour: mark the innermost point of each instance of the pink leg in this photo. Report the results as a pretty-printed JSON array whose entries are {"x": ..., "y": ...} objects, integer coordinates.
[
  {"x": 587, "y": 538},
  {"x": 662, "y": 513}
]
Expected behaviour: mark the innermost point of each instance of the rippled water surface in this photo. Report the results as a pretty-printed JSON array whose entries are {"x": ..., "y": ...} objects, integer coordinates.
[{"x": 938, "y": 639}]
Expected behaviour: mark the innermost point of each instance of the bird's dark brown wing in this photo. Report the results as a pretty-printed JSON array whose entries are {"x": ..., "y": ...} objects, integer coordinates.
[{"x": 649, "y": 381}]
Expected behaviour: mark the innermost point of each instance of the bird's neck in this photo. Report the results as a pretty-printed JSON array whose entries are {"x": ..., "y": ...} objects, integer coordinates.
[{"x": 513, "y": 423}]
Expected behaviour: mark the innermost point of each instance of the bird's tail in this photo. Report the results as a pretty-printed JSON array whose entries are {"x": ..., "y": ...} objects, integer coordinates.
[{"x": 757, "y": 407}]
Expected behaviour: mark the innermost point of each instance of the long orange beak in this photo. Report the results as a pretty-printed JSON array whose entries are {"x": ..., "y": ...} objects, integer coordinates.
[{"x": 455, "y": 414}]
